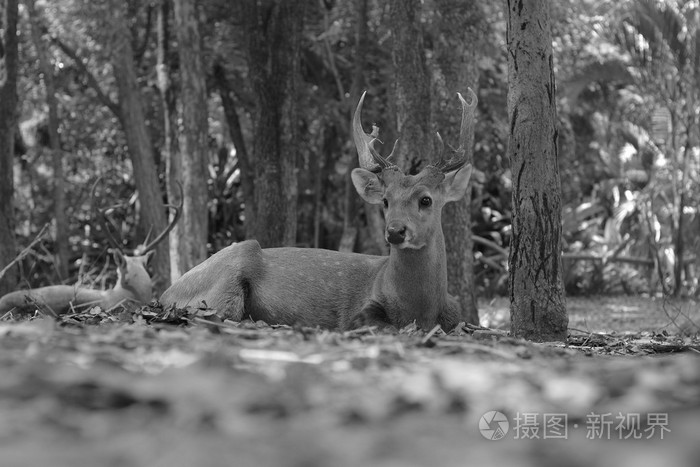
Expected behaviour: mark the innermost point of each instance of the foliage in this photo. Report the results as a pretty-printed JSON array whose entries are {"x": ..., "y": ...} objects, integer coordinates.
[
  {"x": 637, "y": 117},
  {"x": 626, "y": 72}
]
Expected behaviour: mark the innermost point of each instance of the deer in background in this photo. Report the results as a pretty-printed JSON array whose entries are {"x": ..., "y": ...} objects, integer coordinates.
[
  {"x": 133, "y": 286},
  {"x": 315, "y": 287}
]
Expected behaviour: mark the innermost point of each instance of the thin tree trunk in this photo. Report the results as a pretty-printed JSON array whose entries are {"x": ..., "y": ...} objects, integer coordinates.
[
  {"x": 168, "y": 100},
  {"x": 234, "y": 128},
  {"x": 153, "y": 217},
  {"x": 536, "y": 289},
  {"x": 274, "y": 39},
  {"x": 412, "y": 86},
  {"x": 679, "y": 226},
  {"x": 350, "y": 201},
  {"x": 459, "y": 27},
  {"x": 8, "y": 122},
  {"x": 59, "y": 189},
  {"x": 194, "y": 139}
]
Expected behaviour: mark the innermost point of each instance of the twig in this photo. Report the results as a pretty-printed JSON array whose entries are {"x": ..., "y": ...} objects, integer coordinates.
[
  {"x": 590, "y": 333},
  {"x": 26, "y": 251},
  {"x": 92, "y": 80},
  {"x": 431, "y": 334}
]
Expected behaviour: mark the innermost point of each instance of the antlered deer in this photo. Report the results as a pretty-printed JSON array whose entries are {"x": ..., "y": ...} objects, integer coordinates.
[
  {"x": 133, "y": 281},
  {"x": 314, "y": 287}
]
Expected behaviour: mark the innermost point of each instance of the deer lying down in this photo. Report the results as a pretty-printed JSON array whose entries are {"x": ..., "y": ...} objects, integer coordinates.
[
  {"x": 313, "y": 287},
  {"x": 133, "y": 286}
]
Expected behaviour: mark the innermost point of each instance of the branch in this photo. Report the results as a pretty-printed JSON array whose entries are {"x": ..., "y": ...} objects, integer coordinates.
[
  {"x": 92, "y": 81},
  {"x": 615, "y": 257},
  {"x": 140, "y": 50},
  {"x": 494, "y": 246},
  {"x": 331, "y": 58},
  {"x": 26, "y": 251}
]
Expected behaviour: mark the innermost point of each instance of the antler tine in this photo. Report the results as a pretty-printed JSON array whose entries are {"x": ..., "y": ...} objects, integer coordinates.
[
  {"x": 468, "y": 111},
  {"x": 178, "y": 210},
  {"x": 391, "y": 154},
  {"x": 101, "y": 218},
  {"x": 381, "y": 162},
  {"x": 368, "y": 156},
  {"x": 466, "y": 128},
  {"x": 441, "y": 145}
]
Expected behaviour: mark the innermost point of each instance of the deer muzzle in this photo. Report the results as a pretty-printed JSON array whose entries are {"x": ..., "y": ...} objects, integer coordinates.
[{"x": 396, "y": 233}]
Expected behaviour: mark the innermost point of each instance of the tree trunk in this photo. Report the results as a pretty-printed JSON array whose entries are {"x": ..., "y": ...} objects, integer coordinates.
[
  {"x": 8, "y": 121},
  {"x": 350, "y": 201},
  {"x": 234, "y": 128},
  {"x": 168, "y": 100},
  {"x": 273, "y": 47},
  {"x": 194, "y": 152},
  {"x": 412, "y": 87},
  {"x": 536, "y": 289},
  {"x": 458, "y": 29},
  {"x": 59, "y": 190},
  {"x": 153, "y": 217}
]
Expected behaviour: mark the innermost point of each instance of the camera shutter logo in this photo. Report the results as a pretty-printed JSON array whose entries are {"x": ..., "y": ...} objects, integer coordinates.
[{"x": 493, "y": 425}]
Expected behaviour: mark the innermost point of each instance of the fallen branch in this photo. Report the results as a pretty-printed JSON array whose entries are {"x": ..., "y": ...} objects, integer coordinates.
[{"x": 610, "y": 258}]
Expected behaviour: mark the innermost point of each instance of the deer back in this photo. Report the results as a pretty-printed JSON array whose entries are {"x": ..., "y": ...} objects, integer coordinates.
[
  {"x": 293, "y": 286},
  {"x": 56, "y": 299},
  {"x": 133, "y": 285}
]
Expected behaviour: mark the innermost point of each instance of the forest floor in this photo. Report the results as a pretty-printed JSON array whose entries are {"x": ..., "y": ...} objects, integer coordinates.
[{"x": 144, "y": 389}]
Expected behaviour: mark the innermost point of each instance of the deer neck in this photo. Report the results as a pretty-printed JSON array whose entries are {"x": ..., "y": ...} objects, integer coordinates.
[
  {"x": 417, "y": 279},
  {"x": 136, "y": 287}
]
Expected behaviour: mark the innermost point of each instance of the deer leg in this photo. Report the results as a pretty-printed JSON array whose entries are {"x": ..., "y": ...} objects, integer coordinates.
[
  {"x": 451, "y": 315},
  {"x": 372, "y": 314}
]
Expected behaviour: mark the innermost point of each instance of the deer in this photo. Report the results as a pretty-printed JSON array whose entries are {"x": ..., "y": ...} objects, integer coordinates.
[
  {"x": 133, "y": 286},
  {"x": 337, "y": 290}
]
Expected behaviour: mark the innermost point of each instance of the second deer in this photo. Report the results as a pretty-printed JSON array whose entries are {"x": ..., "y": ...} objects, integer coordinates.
[
  {"x": 133, "y": 286},
  {"x": 315, "y": 287}
]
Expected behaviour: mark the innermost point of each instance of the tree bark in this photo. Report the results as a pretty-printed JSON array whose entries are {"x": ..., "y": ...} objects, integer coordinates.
[
  {"x": 153, "y": 217},
  {"x": 194, "y": 153},
  {"x": 168, "y": 100},
  {"x": 273, "y": 47},
  {"x": 536, "y": 289},
  {"x": 61, "y": 254},
  {"x": 412, "y": 87},
  {"x": 8, "y": 121},
  {"x": 350, "y": 202},
  {"x": 234, "y": 127},
  {"x": 458, "y": 32}
]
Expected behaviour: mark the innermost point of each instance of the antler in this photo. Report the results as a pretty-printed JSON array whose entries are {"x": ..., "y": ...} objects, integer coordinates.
[
  {"x": 102, "y": 218},
  {"x": 142, "y": 250},
  {"x": 368, "y": 156},
  {"x": 459, "y": 158}
]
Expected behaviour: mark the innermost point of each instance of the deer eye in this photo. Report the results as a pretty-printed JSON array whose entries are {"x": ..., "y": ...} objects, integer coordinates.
[
  {"x": 386, "y": 203},
  {"x": 425, "y": 201}
]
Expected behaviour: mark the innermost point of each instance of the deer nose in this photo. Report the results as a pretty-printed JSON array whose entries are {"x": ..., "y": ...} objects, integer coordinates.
[{"x": 396, "y": 234}]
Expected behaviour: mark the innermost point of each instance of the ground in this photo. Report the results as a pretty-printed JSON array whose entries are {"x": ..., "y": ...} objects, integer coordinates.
[{"x": 155, "y": 388}]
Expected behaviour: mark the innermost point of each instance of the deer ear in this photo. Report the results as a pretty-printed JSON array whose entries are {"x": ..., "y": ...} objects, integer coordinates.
[
  {"x": 368, "y": 185},
  {"x": 456, "y": 183}
]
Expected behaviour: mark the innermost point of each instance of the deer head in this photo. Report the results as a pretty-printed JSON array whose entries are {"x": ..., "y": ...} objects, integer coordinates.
[{"x": 412, "y": 203}]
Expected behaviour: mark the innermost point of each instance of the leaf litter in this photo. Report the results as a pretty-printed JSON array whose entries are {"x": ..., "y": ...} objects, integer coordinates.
[{"x": 170, "y": 387}]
